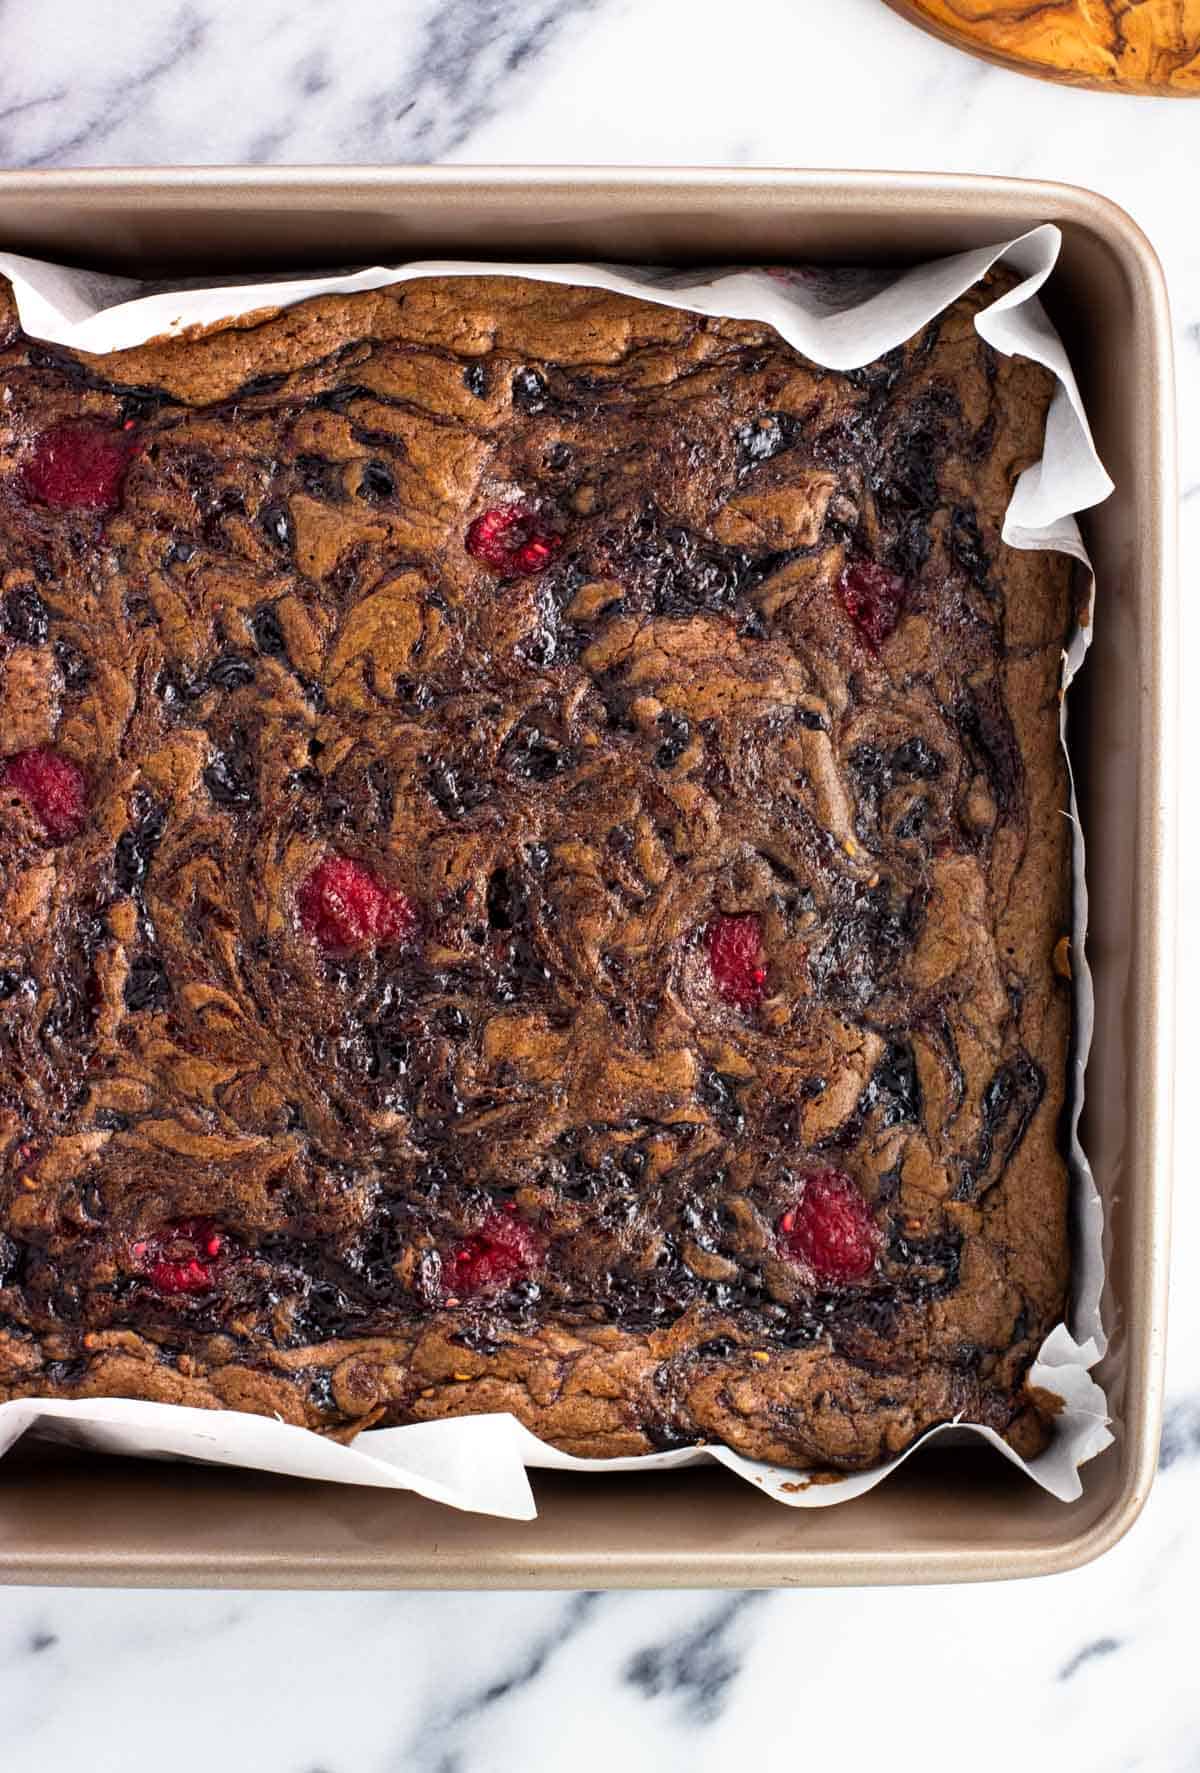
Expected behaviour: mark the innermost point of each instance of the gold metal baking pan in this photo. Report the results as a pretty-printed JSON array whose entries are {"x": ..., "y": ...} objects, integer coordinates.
[{"x": 953, "y": 1515}]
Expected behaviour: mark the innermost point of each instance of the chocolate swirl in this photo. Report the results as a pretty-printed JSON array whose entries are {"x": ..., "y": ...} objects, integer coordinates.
[{"x": 737, "y": 639}]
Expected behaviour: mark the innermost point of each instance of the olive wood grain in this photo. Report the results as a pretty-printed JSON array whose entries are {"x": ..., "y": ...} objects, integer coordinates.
[{"x": 1140, "y": 46}]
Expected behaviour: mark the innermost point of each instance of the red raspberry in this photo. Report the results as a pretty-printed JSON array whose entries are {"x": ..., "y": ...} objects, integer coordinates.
[
  {"x": 513, "y": 541},
  {"x": 502, "y": 1251},
  {"x": 873, "y": 598},
  {"x": 77, "y": 468},
  {"x": 734, "y": 947},
  {"x": 830, "y": 1230},
  {"x": 181, "y": 1257},
  {"x": 51, "y": 786},
  {"x": 343, "y": 906}
]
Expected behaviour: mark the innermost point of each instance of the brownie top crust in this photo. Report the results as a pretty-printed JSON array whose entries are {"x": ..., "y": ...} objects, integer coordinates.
[{"x": 532, "y": 861}]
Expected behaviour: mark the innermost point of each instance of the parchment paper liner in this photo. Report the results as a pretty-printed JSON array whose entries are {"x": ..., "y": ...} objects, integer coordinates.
[{"x": 842, "y": 319}]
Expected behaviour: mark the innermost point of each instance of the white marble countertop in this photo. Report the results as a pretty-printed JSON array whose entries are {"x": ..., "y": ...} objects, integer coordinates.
[{"x": 1092, "y": 1670}]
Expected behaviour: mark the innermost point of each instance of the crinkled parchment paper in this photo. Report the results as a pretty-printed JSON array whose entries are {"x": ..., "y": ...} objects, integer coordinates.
[{"x": 842, "y": 319}]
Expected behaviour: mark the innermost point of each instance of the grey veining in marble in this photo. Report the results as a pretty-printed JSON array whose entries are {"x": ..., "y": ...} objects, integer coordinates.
[
  {"x": 390, "y": 82},
  {"x": 1093, "y": 1672}
]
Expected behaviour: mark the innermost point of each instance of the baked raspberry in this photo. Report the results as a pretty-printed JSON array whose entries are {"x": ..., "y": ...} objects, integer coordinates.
[
  {"x": 734, "y": 947},
  {"x": 830, "y": 1230},
  {"x": 344, "y": 906},
  {"x": 181, "y": 1257},
  {"x": 51, "y": 786},
  {"x": 513, "y": 541},
  {"x": 504, "y": 1250},
  {"x": 77, "y": 467},
  {"x": 873, "y": 598}
]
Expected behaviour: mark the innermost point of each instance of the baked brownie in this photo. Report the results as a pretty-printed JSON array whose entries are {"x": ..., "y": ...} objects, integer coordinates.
[{"x": 531, "y": 860}]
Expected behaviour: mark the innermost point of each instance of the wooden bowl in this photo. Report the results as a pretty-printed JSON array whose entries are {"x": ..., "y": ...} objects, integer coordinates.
[{"x": 1141, "y": 46}]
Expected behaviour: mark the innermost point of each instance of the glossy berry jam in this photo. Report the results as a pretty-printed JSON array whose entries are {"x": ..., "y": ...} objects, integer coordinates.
[
  {"x": 513, "y": 541},
  {"x": 830, "y": 1230},
  {"x": 77, "y": 468},
  {"x": 734, "y": 948},
  {"x": 182, "y": 1257},
  {"x": 873, "y": 598},
  {"x": 343, "y": 906},
  {"x": 52, "y": 787},
  {"x": 503, "y": 1251}
]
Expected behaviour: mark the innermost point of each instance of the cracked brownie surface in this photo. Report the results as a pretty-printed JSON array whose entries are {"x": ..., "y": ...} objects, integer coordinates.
[{"x": 531, "y": 857}]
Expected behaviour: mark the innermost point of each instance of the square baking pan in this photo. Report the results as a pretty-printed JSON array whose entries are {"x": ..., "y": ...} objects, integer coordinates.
[{"x": 68, "y": 1515}]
